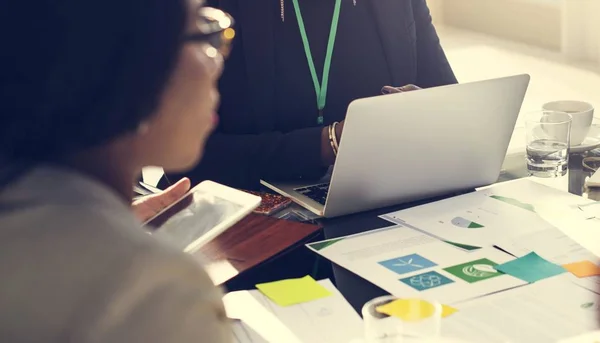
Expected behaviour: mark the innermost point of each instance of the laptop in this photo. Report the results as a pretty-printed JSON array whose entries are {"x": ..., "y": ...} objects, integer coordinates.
[{"x": 411, "y": 146}]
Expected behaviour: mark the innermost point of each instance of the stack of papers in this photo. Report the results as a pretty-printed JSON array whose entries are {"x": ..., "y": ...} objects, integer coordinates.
[
  {"x": 511, "y": 259},
  {"x": 293, "y": 311},
  {"x": 409, "y": 263},
  {"x": 546, "y": 311}
]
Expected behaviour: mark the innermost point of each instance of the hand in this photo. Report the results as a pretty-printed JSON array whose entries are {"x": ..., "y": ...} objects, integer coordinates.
[
  {"x": 403, "y": 89},
  {"x": 148, "y": 206}
]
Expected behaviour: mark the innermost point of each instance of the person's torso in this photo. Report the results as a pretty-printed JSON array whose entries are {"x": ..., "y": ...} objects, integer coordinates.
[
  {"x": 67, "y": 245},
  {"x": 359, "y": 66}
]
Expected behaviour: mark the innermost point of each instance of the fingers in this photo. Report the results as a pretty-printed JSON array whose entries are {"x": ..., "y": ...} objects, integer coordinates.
[
  {"x": 405, "y": 88},
  {"x": 390, "y": 90},
  {"x": 174, "y": 192}
]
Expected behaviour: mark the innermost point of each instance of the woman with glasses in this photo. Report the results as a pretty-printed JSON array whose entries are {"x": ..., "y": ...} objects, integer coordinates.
[
  {"x": 91, "y": 92},
  {"x": 294, "y": 68}
]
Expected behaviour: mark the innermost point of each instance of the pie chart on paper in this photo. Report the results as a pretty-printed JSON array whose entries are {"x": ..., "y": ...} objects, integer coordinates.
[{"x": 465, "y": 223}]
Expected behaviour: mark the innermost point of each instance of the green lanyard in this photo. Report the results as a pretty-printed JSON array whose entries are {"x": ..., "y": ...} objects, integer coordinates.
[{"x": 320, "y": 89}]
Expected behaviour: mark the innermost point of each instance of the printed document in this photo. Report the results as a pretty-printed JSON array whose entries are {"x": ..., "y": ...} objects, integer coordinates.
[
  {"x": 326, "y": 320},
  {"x": 543, "y": 312},
  {"x": 242, "y": 333},
  {"x": 409, "y": 263},
  {"x": 505, "y": 210},
  {"x": 556, "y": 247}
]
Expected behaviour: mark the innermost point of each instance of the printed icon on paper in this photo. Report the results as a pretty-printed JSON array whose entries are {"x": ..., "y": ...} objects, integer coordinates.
[
  {"x": 475, "y": 271},
  {"x": 590, "y": 306},
  {"x": 465, "y": 223},
  {"x": 514, "y": 202},
  {"x": 426, "y": 281},
  {"x": 407, "y": 264}
]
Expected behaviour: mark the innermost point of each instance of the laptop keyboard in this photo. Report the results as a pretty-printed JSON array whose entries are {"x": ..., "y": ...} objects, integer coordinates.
[{"x": 317, "y": 193}]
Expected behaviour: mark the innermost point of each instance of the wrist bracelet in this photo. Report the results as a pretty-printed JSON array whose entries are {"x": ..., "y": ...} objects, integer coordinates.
[
  {"x": 331, "y": 139},
  {"x": 334, "y": 136}
]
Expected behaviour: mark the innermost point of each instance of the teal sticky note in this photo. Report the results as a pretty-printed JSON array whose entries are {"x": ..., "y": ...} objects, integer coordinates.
[{"x": 531, "y": 268}]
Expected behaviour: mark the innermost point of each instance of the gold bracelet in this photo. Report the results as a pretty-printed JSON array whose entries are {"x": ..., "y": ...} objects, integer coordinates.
[
  {"x": 334, "y": 136},
  {"x": 331, "y": 139}
]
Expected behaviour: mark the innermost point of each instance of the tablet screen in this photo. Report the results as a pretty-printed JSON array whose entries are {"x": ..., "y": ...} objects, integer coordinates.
[{"x": 192, "y": 217}]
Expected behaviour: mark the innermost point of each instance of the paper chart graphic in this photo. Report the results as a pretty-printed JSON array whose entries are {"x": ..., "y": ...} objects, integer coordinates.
[
  {"x": 465, "y": 223},
  {"x": 474, "y": 271},
  {"x": 407, "y": 264},
  {"x": 514, "y": 202},
  {"x": 425, "y": 281}
]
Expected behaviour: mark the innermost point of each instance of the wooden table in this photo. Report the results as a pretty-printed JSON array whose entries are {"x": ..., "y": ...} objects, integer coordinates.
[{"x": 250, "y": 242}]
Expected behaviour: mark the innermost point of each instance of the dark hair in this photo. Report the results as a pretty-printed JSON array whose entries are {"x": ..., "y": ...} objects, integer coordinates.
[{"x": 77, "y": 73}]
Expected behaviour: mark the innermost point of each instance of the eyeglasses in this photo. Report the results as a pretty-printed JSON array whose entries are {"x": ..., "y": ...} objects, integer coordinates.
[{"x": 215, "y": 27}]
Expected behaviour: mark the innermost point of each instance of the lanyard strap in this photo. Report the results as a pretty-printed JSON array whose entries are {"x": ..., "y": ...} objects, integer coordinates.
[{"x": 320, "y": 89}]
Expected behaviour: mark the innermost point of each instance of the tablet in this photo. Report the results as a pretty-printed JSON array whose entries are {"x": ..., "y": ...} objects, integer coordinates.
[{"x": 205, "y": 212}]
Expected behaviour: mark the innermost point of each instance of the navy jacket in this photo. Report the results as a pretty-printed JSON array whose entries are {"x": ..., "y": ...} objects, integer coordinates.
[{"x": 254, "y": 139}]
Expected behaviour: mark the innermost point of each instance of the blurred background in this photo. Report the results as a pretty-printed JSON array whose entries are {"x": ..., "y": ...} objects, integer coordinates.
[{"x": 557, "y": 42}]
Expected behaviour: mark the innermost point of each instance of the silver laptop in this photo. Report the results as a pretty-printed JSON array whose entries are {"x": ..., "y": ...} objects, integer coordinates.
[{"x": 410, "y": 146}]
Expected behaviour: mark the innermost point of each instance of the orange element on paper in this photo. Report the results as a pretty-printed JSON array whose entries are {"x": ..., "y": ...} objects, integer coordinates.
[{"x": 583, "y": 269}]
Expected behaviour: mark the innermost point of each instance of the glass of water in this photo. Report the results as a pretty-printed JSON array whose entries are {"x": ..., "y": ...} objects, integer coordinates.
[{"x": 548, "y": 136}]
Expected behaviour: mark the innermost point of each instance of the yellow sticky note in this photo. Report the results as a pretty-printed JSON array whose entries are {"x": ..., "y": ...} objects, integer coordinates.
[
  {"x": 293, "y": 291},
  {"x": 583, "y": 269}
]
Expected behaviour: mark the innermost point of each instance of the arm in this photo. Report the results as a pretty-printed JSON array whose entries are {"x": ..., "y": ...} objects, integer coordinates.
[
  {"x": 433, "y": 68},
  {"x": 242, "y": 160}
]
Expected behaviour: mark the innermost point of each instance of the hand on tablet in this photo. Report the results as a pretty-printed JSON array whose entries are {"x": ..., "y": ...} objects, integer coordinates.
[{"x": 147, "y": 207}]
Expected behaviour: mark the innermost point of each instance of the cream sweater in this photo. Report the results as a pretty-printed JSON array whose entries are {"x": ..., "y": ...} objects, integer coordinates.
[{"x": 76, "y": 266}]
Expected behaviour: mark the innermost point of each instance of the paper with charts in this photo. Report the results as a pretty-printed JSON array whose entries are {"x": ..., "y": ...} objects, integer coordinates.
[
  {"x": 556, "y": 247},
  {"x": 409, "y": 263},
  {"x": 326, "y": 320},
  {"x": 484, "y": 217},
  {"x": 547, "y": 311}
]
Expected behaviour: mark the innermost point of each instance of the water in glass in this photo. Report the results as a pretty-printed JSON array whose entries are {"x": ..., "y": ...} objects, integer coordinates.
[{"x": 547, "y": 158}]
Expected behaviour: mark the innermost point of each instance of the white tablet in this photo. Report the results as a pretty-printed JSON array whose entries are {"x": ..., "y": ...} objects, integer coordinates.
[{"x": 204, "y": 213}]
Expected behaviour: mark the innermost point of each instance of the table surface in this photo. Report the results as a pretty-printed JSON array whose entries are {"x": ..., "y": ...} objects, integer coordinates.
[
  {"x": 252, "y": 241},
  {"x": 358, "y": 291}
]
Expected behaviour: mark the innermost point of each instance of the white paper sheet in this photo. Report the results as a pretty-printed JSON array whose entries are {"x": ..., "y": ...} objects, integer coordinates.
[
  {"x": 556, "y": 247},
  {"x": 242, "y": 333},
  {"x": 551, "y": 244},
  {"x": 407, "y": 262},
  {"x": 326, "y": 320},
  {"x": 588, "y": 337},
  {"x": 586, "y": 232},
  {"x": 545, "y": 311},
  {"x": 491, "y": 214},
  {"x": 474, "y": 219}
]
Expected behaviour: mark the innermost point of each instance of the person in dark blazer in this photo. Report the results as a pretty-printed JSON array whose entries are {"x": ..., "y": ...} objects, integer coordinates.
[{"x": 271, "y": 123}]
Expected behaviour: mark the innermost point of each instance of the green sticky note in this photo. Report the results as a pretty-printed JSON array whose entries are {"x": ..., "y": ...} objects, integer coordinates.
[
  {"x": 531, "y": 268},
  {"x": 293, "y": 291}
]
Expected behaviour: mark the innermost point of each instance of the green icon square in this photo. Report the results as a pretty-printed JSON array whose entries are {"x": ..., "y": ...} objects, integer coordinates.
[{"x": 475, "y": 271}]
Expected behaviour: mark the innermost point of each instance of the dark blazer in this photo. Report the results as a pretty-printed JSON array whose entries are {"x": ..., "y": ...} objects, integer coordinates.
[{"x": 246, "y": 147}]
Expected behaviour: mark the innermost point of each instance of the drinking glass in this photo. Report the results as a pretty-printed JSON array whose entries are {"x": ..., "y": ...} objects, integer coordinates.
[
  {"x": 413, "y": 320},
  {"x": 548, "y": 135}
]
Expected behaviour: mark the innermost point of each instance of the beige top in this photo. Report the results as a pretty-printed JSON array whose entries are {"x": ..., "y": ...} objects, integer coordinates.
[{"x": 76, "y": 266}]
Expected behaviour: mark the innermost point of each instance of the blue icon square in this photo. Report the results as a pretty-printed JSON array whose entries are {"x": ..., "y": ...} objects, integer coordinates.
[
  {"x": 407, "y": 264},
  {"x": 425, "y": 281}
]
